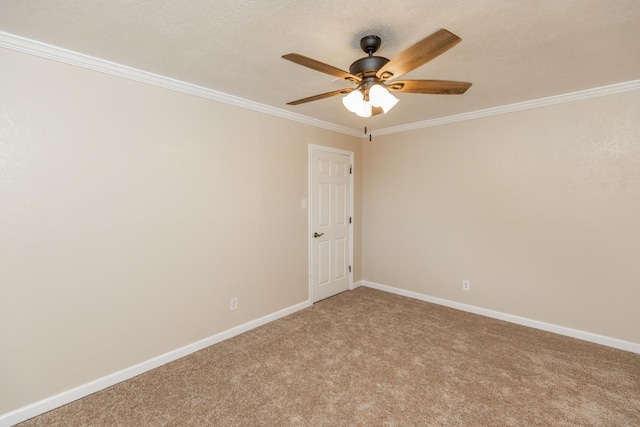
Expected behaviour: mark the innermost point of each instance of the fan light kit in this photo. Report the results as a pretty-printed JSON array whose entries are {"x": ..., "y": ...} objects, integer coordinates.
[
  {"x": 377, "y": 96},
  {"x": 374, "y": 75}
]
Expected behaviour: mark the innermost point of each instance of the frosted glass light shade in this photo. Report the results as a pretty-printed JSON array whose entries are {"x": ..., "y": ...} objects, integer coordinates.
[
  {"x": 380, "y": 97},
  {"x": 353, "y": 101},
  {"x": 364, "y": 110},
  {"x": 376, "y": 95}
]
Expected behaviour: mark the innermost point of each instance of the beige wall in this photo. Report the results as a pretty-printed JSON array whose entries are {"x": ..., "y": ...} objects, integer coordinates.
[
  {"x": 539, "y": 209},
  {"x": 131, "y": 214}
]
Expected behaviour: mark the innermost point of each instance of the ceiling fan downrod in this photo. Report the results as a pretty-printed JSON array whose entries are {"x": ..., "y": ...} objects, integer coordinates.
[{"x": 370, "y": 44}]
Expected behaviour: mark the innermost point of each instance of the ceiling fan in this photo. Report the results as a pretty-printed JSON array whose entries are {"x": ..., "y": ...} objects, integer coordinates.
[{"x": 374, "y": 75}]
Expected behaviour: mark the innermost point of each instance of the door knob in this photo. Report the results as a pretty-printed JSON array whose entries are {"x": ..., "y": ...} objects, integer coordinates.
[{"x": 318, "y": 234}]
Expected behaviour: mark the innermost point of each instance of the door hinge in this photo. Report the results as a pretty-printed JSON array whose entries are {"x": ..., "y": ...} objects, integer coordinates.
[
  {"x": 349, "y": 269},
  {"x": 349, "y": 220},
  {"x": 350, "y": 170}
]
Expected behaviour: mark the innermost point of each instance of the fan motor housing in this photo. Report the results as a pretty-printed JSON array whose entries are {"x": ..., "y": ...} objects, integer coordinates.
[{"x": 367, "y": 66}]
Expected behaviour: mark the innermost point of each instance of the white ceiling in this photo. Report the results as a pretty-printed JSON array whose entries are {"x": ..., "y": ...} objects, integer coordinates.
[{"x": 511, "y": 50}]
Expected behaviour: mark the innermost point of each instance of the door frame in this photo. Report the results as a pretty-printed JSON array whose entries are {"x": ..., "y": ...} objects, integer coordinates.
[{"x": 313, "y": 148}]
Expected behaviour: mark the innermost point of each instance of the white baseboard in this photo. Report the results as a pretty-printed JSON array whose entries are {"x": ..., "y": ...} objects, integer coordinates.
[
  {"x": 561, "y": 330},
  {"x": 45, "y": 405},
  {"x": 357, "y": 284}
]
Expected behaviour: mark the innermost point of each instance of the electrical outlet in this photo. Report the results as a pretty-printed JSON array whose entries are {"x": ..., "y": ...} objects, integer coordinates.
[
  {"x": 234, "y": 304},
  {"x": 466, "y": 285}
]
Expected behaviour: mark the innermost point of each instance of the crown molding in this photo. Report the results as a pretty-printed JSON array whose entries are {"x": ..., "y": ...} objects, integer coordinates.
[
  {"x": 32, "y": 47},
  {"x": 36, "y": 48},
  {"x": 520, "y": 106}
]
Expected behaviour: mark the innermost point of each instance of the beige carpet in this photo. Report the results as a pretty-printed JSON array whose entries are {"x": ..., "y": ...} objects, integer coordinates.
[{"x": 369, "y": 358}]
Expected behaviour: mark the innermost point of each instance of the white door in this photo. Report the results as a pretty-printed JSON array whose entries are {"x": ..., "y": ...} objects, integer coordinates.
[{"x": 330, "y": 221}]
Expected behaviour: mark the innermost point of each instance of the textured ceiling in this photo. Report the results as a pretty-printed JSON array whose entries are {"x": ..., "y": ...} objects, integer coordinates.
[{"x": 512, "y": 51}]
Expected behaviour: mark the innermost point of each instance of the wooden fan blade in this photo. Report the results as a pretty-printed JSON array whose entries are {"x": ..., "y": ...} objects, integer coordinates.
[
  {"x": 419, "y": 54},
  {"x": 321, "y": 96},
  {"x": 436, "y": 87},
  {"x": 320, "y": 66},
  {"x": 376, "y": 110}
]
